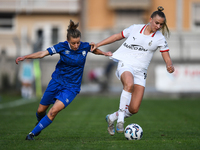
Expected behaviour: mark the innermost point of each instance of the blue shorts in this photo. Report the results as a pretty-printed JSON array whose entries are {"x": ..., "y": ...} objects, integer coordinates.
[{"x": 56, "y": 91}]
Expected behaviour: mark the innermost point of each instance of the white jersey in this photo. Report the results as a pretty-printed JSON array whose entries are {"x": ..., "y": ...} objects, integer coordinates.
[{"x": 138, "y": 49}]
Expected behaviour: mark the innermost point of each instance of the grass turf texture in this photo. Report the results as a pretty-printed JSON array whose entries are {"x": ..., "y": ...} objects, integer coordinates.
[{"x": 167, "y": 125}]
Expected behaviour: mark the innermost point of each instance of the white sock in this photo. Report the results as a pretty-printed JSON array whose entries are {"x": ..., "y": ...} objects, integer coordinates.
[
  {"x": 113, "y": 116},
  {"x": 124, "y": 99},
  {"x": 127, "y": 113}
]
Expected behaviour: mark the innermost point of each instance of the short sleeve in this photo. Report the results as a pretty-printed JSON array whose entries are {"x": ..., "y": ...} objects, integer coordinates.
[
  {"x": 54, "y": 49},
  {"x": 86, "y": 46},
  {"x": 163, "y": 46},
  {"x": 126, "y": 32},
  {"x": 89, "y": 48}
]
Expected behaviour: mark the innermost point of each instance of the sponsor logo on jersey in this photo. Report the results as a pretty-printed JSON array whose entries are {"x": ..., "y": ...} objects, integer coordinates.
[
  {"x": 67, "y": 52},
  {"x": 83, "y": 53},
  {"x": 135, "y": 47}
]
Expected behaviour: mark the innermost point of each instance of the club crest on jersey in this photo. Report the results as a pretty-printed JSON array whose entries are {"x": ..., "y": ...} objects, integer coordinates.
[
  {"x": 83, "y": 53},
  {"x": 150, "y": 43},
  {"x": 67, "y": 52}
]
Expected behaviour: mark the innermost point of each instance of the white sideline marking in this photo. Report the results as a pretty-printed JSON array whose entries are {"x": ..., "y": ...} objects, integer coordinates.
[{"x": 17, "y": 103}]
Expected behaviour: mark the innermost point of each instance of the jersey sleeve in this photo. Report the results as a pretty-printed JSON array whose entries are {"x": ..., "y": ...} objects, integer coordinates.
[
  {"x": 87, "y": 47},
  {"x": 126, "y": 32},
  {"x": 163, "y": 46},
  {"x": 54, "y": 49}
]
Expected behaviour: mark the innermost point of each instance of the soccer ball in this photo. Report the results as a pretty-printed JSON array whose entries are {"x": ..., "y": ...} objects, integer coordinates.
[{"x": 133, "y": 132}]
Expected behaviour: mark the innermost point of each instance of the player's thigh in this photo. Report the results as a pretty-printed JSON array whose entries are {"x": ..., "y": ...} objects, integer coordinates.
[
  {"x": 127, "y": 80},
  {"x": 136, "y": 99}
]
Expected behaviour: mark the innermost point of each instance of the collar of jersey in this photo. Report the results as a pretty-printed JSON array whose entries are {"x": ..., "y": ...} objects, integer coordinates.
[{"x": 142, "y": 31}]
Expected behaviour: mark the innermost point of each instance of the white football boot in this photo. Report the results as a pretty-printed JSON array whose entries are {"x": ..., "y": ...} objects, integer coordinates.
[
  {"x": 120, "y": 127},
  {"x": 111, "y": 128}
]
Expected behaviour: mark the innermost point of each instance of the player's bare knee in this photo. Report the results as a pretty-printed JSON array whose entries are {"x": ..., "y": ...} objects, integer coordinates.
[
  {"x": 53, "y": 112},
  {"x": 128, "y": 87}
]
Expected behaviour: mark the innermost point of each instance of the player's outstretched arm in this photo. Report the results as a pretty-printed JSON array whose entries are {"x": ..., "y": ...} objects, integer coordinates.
[
  {"x": 36, "y": 55},
  {"x": 168, "y": 61},
  {"x": 111, "y": 39},
  {"x": 99, "y": 52}
]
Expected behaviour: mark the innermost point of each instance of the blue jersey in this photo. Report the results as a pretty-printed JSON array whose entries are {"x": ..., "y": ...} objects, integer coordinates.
[{"x": 69, "y": 69}]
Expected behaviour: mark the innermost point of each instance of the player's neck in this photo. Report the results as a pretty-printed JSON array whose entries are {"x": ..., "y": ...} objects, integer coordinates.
[{"x": 147, "y": 30}]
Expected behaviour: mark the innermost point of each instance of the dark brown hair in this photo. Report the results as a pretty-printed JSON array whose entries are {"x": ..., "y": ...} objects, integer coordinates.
[
  {"x": 159, "y": 12},
  {"x": 72, "y": 30}
]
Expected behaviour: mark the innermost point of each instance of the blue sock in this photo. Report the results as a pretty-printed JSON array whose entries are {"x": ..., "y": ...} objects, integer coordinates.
[
  {"x": 39, "y": 117},
  {"x": 45, "y": 121}
]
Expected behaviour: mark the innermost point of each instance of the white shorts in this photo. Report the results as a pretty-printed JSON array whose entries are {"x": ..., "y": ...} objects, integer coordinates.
[{"x": 138, "y": 75}]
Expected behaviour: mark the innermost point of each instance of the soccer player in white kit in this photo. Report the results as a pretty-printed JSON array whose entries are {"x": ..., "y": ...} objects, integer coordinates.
[{"x": 134, "y": 57}]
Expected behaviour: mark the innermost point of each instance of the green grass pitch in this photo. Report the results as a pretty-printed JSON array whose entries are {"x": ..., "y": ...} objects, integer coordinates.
[{"x": 167, "y": 125}]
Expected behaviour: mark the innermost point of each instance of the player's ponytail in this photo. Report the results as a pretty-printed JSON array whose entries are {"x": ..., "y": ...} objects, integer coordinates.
[
  {"x": 159, "y": 12},
  {"x": 72, "y": 30}
]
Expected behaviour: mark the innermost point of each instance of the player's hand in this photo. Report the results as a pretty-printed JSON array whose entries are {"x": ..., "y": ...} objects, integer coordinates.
[
  {"x": 108, "y": 53},
  {"x": 19, "y": 59},
  {"x": 170, "y": 68},
  {"x": 93, "y": 46}
]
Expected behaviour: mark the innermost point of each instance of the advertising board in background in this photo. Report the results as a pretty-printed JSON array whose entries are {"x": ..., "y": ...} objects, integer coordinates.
[{"x": 186, "y": 78}]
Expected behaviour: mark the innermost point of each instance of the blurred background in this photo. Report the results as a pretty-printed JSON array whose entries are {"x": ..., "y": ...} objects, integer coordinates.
[{"x": 28, "y": 26}]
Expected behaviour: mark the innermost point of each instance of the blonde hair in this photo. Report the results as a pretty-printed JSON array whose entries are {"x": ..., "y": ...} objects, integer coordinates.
[{"x": 159, "y": 12}]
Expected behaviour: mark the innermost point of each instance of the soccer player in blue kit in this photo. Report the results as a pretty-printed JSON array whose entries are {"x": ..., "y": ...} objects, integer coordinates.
[{"x": 66, "y": 79}]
